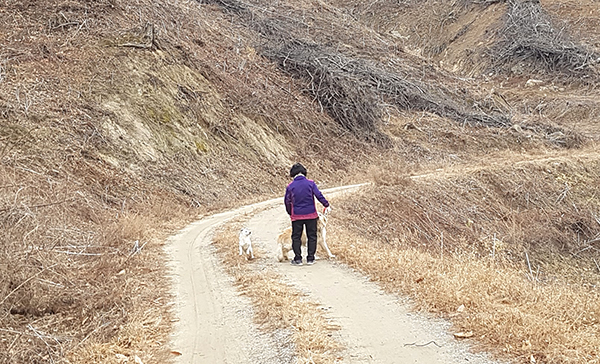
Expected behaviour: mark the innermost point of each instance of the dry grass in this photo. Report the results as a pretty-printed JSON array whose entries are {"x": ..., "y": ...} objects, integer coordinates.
[
  {"x": 515, "y": 243},
  {"x": 580, "y": 17},
  {"x": 74, "y": 288},
  {"x": 517, "y": 38},
  {"x": 510, "y": 315},
  {"x": 278, "y": 305}
]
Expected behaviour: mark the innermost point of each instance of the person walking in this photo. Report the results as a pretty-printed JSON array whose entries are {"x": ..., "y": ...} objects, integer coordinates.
[{"x": 300, "y": 205}]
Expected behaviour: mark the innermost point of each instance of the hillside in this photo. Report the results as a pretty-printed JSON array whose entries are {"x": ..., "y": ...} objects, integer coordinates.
[{"x": 120, "y": 122}]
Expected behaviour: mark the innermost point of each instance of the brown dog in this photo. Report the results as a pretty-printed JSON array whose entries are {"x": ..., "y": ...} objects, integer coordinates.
[{"x": 284, "y": 240}]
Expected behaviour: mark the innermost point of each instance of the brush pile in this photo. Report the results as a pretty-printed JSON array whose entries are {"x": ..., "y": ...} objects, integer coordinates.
[
  {"x": 350, "y": 88},
  {"x": 530, "y": 35}
]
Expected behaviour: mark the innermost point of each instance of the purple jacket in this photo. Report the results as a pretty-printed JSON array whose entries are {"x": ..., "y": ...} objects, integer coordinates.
[{"x": 300, "y": 199}]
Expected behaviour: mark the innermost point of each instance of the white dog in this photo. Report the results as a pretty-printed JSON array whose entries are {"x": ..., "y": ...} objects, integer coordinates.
[
  {"x": 246, "y": 243},
  {"x": 284, "y": 240}
]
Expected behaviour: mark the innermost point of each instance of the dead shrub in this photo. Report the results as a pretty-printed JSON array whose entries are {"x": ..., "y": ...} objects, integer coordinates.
[{"x": 74, "y": 265}]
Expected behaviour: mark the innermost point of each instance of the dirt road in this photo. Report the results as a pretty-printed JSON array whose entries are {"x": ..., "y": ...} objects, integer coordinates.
[{"x": 215, "y": 322}]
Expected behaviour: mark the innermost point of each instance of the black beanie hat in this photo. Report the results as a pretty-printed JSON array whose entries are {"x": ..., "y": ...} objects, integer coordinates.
[{"x": 297, "y": 168}]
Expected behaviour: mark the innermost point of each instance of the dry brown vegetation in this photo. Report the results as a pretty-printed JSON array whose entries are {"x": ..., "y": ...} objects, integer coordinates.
[
  {"x": 75, "y": 260},
  {"x": 121, "y": 121},
  {"x": 516, "y": 37},
  {"x": 514, "y": 241},
  {"x": 530, "y": 37},
  {"x": 99, "y": 157}
]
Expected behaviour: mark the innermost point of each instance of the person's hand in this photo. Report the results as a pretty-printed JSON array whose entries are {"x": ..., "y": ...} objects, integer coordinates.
[{"x": 327, "y": 210}]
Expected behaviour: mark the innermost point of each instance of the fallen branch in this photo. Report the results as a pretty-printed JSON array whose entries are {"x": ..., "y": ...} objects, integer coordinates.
[
  {"x": 66, "y": 24},
  {"x": 137, "y": 248},
  {"x": 529, "y": 266}
]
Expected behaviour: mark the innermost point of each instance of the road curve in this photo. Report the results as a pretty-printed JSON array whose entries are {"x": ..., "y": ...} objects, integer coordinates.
[
  {"x": 206, "y": 299},
  {"x": 215, "y": 322}
]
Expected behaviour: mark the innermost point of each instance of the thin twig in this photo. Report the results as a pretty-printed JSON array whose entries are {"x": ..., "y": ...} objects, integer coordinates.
[
  {"x": 91, "y": 333},
  {"x": 442, "y": 246},
  {"x": 39, "y": 335},
  {"x": 494, "y": 247},
  {"x": 421, "y": 345},
  {"x": 41, "y": 205},
  {"x": 529, "y": 265}
]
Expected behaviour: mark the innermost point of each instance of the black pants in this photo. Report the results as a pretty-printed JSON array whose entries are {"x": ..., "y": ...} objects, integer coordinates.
[{"x": 311, "y": 235}]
